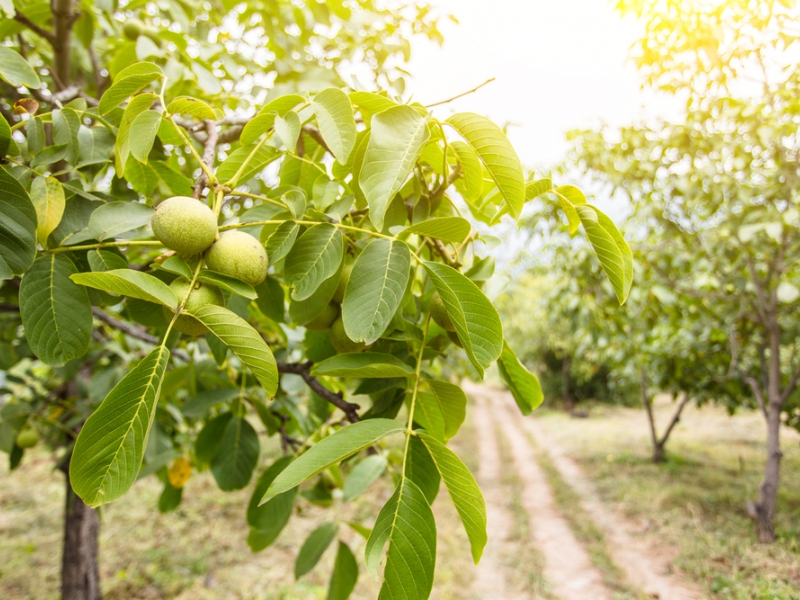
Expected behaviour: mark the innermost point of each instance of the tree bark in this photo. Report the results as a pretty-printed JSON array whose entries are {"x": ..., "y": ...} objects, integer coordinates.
[
  {"x": 63, "y": 18},
  {"x": 565, "y": 383},
  {"x": 763, "y": 511},
  {"x": 80, "y": 576}
]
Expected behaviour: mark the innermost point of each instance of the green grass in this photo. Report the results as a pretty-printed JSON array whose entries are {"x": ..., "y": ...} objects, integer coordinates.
[{"x": 695, "y": 502}]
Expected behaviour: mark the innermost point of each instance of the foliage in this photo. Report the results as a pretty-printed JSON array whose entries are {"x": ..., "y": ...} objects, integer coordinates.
[{"x": 345, "y": 188}]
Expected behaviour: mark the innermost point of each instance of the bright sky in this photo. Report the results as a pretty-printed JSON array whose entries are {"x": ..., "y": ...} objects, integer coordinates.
[{"x": 558, "y": 64}]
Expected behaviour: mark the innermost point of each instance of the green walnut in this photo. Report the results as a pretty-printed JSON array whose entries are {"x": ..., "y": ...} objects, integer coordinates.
[
  {"x": 185, "y": 225},
  {"x": 324, "y": 320},
  {"x": 341, "y": 342},
  {"x": 132, "y": 29},
  {"x": 239, "y": 255},
  {"x": 201, "y": 295},
  {"x": 338, "y": 295},
  {"x": 27, "y": 438},
  {"x": 439, "y": 313}
]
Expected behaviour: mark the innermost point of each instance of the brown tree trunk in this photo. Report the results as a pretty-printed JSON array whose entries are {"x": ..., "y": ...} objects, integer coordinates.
[
  {"x": 565, "y": 383},
  {"x": 763, "y": 511},
  {"x": 80, "y": 577}
]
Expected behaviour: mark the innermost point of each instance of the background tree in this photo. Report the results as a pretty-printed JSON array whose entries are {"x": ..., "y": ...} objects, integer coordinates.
[
  {"x": 718, "y": 191},
  {"x": 200, "y": 227}
]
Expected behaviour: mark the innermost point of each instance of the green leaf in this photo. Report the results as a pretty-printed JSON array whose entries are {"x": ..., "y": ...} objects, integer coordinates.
[
  {"x": 47, "y": 197},
  {"x": 106, "y": 260},
  {"x": 244, "y": 341},
  {"x": 110, "y": 446},
  {"x": 372, "y": 102},
  {"x": 287, "y": 128},
  {"x": 5, "y": 136},
  {"x": 15, "y": 70},
  {"x": 314, "y": 547},
  {"x": 143, "y": 178},
  {"x": 336, "y": 122},
  {"x": 268, "y": 520},
  {"x": 362, "y": 476},
  {"x": 315, "y": 257},
  {"x": 464, "y": 491},
  {"x": 420, "y": 469},
  {"x": 523, "y": 384},
  {"x": 364, "y": 365},
  {"x": 611, "y": 248},
  {"x": 18, "y": 225},
  {"x": 447, "y": 229},
  {"x": 254, "y": 157},
  {"x": 228, "y": 283},
  {"x": 282, "y": 240},
  {"x": 127, "y": 82},
  {"x": 537, "y": 188},
  {"x": 470, "y": 184},
  {"x": 570, "y": 196},
  {"x": 143, "y": 134},
  {"x": 501, "y": 160},
  {"x": 196, "y": 406},
  {"x": 395, "y": 144},
  {"x": 115, "y": 218},
  {"x": 135, "y": 107},
  {"x": 452, "y": 403},
  {"x": 271, "y": 299},
  {"x": 475, "y": 318},
  {"x": 406, "y": 522},
  {"x": 185, "y": 105},
  {"x": 35, "y": 135},
  {"x": 66, "y": 125},
  {"x": 178, "y": 183},
  {"x": 55, "y": 311},
  {"x": 345, "y": 574},
  {"x": 233, "y": 464},
  {"x": 375, "y": 289},
  {"x": 127, "y": 282},
  {"x": 256, "y": 127},
  {"x": 429, "y": 415},
  {"x": 176, "y": 264},
  {"x": 209, "y": 439},
  {"x": 332, "y": 450}
]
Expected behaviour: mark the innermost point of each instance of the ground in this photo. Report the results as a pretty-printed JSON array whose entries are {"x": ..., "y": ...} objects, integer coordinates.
[{"x": 575, "y": 508}]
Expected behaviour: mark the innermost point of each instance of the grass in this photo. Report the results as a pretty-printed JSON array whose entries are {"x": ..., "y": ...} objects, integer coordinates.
[
  {"x": 695, "y": 503},
  {"x": 199, "y": 551}
]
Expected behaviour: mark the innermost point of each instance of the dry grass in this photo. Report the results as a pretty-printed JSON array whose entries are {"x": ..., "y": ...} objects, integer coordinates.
[
  {"x": 197, "y": 552},
  {"x": 695, "y": 503}
]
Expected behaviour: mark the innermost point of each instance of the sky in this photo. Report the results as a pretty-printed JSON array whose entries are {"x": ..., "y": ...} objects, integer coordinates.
[{"x": 558, "y": 64}]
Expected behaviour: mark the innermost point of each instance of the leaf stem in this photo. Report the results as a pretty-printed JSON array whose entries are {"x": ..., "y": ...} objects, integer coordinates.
[
  {"x": 117, "y": 244},
  {"x": 415, "y": 389},
  {"x": 209, "y": 173},
  {"x": 183, "y": 302},
  {"x": 235, "y": 179},
  {"x": 257, "y": 197}
]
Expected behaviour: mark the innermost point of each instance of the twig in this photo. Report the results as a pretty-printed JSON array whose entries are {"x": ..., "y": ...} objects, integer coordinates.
[
  {"x": 304, "y": 370},
  {"x": 134, "y": 332},
  {"x": 43, "y": 33},
  {"x": 461, "y": 95},
  {"x": 209, "y": 152}
]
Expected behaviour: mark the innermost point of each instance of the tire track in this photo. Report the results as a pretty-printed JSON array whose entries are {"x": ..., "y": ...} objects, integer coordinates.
[{"x": 568, "y": 569}]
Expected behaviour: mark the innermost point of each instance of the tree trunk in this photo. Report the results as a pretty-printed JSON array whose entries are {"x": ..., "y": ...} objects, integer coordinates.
[
  {"x": 80, "y": 577},
  {"x": 763, "y": 511},
  {"x": 565, "y": 383},
  {"x": 659, "y": 455}
]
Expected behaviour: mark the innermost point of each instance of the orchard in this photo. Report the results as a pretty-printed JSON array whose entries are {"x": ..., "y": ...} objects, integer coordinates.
[{"x": 221, "y": 258}]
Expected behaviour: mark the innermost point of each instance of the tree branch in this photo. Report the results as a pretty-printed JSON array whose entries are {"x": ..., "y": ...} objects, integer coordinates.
[
  {"x": 316, "y": 135},
  {"x": 304, "y": 370},
  {"x": 43, "y": 33},
  {"x": 757, "y": 391},
  {"x": 63, "y": 19},
  {"x": 790, "y": 386},
  {"x": 133, "y": 331},
  {"x": 209, "y": 153},
  {"x": 675, "y": 418}
]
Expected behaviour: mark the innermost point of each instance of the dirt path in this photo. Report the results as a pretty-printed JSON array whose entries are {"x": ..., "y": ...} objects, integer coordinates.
[
  {"x": 567, "y": 568},
  {"x": 646, "y": 567},
  {"x": 490, "y": 580}
]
